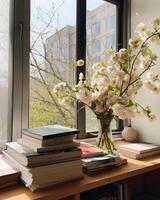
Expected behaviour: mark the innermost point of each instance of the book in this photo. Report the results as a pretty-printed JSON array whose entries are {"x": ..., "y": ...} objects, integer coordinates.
[
  {"x": 49, "y": 142},
  {"x": 43, "y": 149},
  {"x": 89, "y": 150},
  {"x": 48, "y": 175},
  {"x": 101, "y": 161},
  {"x": 48, "y": 132},
  {"x": 139, "y": 148},
  {"x": 103, "y": 167},
  {"x": 138, "y": 155},
  {"x": 98, "y": 160},
  {"x": 8, "y": 175},
  {"x": 28, "y": 157}
]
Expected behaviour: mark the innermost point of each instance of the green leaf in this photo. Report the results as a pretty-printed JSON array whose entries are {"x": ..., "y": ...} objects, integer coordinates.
[
  {"x": 101, "y": 74},
  {"x": 115, "y": 89},
  {"x": 75, "y": 65},
  {"x": 102, "y": 64},
  {"x": 132, "y": 103}
]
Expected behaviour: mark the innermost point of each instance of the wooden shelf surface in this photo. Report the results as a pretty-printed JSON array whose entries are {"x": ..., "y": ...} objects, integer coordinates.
[{"x": 133, "y": 168}]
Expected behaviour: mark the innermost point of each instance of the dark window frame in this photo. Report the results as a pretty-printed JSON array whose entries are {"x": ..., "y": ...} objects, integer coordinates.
[{"x": 19, "y": 81}]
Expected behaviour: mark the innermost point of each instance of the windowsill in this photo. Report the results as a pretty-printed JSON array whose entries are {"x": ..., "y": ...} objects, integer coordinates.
[{"x": 93, "y": 140}]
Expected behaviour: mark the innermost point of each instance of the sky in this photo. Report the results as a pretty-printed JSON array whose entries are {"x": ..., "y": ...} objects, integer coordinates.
[{"x": 65, "y": 10}]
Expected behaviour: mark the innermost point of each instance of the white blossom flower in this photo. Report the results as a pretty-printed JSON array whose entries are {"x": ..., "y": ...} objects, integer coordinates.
[
  {"x": 103, "y": 82},
  {"x": 145, "y": 63},
  {"x": 141, "y": 28},
  {"x": 66, "y": 102},
  {"x": 95, "y": 67},
  {"x": 124, "y": 112},
  {"x": 133, "y": 43},
  {"x": 150, "y": 85},
  {"x": 80, "y": 63},
  {"x": 59, "y": 86},
  {"x": 81, "y": 76},
  {"x": 156, "y": 23},
  {"x": 150, "y": 75},
  {"x": 153, "y": 57},
  {"x": 152, "y": 117},
  {"x": 84, "y": 96},
  {"x": 156, "y": 39},
  {"x": 123, "y": 54}
]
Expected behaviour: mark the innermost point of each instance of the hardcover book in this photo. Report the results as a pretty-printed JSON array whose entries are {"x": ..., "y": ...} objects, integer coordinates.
[
  {"x": 51, "y": 131},
  {"x": 89, "y": 150},
  {"x": 139, "y": 148},
  {"x": 28, "y": 157}
]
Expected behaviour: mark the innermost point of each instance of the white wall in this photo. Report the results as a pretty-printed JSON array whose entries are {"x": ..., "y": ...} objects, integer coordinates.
[{"x": 144, "y": 11}]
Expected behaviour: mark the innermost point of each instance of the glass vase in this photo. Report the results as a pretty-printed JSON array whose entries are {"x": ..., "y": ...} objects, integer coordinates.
[{"x": 104, "y": 140}]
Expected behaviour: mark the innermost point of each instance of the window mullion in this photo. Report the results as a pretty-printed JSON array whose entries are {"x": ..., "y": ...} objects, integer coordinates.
[{"x": 81, "y": 54}]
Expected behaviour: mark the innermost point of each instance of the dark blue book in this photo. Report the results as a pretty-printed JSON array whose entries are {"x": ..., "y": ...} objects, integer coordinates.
[{"x": 49, "y": 132}]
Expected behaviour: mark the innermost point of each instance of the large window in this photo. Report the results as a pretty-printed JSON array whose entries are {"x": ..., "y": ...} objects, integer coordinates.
[
  {"x": 4, "y": 68},
  {"x": 47, "y": 38}
]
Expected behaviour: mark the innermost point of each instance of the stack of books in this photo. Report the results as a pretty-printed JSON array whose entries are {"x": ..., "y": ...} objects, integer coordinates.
[
  {"x": 139, "y": 150},
  {"x": 46, "y": 156},
  {"x": 99, "y": 163}
]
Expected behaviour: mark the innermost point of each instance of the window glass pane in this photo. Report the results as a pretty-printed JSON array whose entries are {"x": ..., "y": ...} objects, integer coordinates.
[
  {"x": 4, "y": 60},
  {"x": 51, "y": 60},
  {"x": 96, "y": 29},
  {"x": 96, "y": 46},
  {"x": 101, "y": 35}
]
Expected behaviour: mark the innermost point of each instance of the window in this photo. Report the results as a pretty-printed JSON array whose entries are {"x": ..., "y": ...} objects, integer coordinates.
[
  {"x": 96, "y": 29},
  {"x": 111, "y": 41},
  {"x": 47, "y": 37},
  {"x": 52, "y": 55},
  {"x": 96, "y": 46},
  {"x": 5, "y": 61},
  {"x": 110, "y": 22}
]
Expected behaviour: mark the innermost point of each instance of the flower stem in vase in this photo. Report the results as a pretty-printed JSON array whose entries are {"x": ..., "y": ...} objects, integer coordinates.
[{"x": 104, "y": 136}]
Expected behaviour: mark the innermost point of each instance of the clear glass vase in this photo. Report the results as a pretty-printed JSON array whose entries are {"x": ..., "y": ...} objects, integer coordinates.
[{"x": 104, "y": 140}]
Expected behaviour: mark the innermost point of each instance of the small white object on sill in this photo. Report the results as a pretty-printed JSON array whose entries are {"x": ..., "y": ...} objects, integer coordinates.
[{"x": 129, "y": 134}]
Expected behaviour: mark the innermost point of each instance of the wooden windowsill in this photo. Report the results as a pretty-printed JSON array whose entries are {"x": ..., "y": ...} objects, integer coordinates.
[{"x": 133, "y": 168}]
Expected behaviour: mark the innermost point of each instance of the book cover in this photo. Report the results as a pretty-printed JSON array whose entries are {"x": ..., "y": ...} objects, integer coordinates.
[
  {"x": 99, "y": 159},
  {"x": 51, "y": 131},
  {"x": 89, "y": 150},
  {"x": 139, "y": 147},
  {"x": 27, "y": 157},
  {"x": 138, "y": 156}
]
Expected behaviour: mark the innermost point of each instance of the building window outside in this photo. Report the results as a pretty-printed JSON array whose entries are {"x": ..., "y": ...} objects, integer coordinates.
[
  {"x": 96, "y": 29},
  {"x": 111, "y": 41},
  {"x": 96, "y": 46},
  {"x": 110, "y": 22}
]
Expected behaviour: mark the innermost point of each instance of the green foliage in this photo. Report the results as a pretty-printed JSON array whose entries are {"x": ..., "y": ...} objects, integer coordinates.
[{"x": 43, "y": 111}]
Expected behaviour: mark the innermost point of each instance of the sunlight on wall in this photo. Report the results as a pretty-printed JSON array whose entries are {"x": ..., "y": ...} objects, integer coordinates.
[{"x": 145, "y": 11}]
